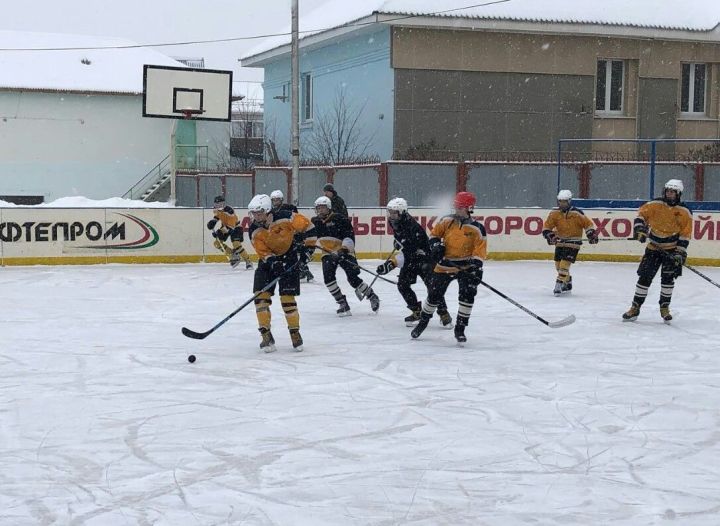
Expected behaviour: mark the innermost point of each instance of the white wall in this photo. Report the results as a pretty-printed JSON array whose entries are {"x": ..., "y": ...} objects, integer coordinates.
[{"x": 58, "y": 144}]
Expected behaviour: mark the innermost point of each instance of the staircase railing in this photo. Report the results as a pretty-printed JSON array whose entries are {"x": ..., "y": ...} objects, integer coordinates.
[{"x": 156, "y": 173}]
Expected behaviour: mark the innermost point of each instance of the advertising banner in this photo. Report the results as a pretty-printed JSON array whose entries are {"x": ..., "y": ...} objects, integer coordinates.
[{"x": 35, "y": 235}]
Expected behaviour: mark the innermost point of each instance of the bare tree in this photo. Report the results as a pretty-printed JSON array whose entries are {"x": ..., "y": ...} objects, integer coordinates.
[{"x": 338, "y": 136}]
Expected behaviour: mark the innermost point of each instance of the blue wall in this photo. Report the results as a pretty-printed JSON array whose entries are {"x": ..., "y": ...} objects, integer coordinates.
[{"x": 360, "y": 66}]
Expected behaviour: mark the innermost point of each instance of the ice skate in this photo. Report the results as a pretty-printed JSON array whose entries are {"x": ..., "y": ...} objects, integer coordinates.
[
  {"x": 445, "y": 320},
  {"x": 665, "y": 313},
  {"x": 632, "y": 313},
  {"x": 344, "y": 308},
  {"x": 234, "y": 259},
  {"x": 460, "y": 333},
  {"x": 374, "y": 302},
  {"x": 248, "y": 265},
  {"x": 414, "y": 317},
  {"x": 420, "y": 327},
  {"x": 567, "y": 286},
  {"x": 268, "y": 342},
  {"x": 558, "y": 288},
  {"x": 297, "y": 341}
]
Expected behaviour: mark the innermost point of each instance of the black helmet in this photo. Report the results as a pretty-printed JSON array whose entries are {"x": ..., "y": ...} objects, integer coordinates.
[{"x": 219, "y": 202}]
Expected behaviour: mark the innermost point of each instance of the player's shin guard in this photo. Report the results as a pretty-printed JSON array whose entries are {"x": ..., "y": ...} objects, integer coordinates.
[
  {"x": 289, "y": 305},
  {"x": 563, "y": 270},
  {"x": 262, "y": 310},
  {"x": 239, "y": 249},
  {"x": 464, "y": 311},
  {"x": 641, "y": 292}
]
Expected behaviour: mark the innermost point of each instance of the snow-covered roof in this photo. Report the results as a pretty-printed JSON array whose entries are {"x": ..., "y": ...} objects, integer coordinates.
[
  {"x": 73, "y": 70},
  {"x": 672, "y": 15}
]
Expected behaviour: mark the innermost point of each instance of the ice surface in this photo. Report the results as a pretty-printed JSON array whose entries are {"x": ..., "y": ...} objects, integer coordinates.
[{"x": 104, "y": 422}]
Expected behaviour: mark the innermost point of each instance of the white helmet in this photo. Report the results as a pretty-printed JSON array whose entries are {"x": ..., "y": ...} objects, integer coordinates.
[
  {"x": 323, "y": 201},
  {"x": 260, "y": 203},
  {"x": 564, "y": 195},
  {"x": 398, "y": 204},
  {"x": 674, "y": 184},
  {"x": 277, "y": 194}
]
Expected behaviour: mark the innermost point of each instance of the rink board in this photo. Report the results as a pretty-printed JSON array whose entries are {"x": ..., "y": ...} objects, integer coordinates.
[{"x": 61, "y": 236}]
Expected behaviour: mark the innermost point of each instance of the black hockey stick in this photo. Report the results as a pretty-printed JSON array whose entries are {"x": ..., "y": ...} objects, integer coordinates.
[
  {"x": 362, "y": 295},
  {"x": 703, "y": 276},
  {"x": 358, "y": 266},
  {"x": 202, "y": 335},
  {"x": 552, "y": 324}
]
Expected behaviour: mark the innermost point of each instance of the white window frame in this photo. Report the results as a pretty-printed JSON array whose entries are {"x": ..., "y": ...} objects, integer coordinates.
[
  {"x": 608, "y": 87},
  {"x": 691, "y": 90},
  {"x": 307, "y": 98}
]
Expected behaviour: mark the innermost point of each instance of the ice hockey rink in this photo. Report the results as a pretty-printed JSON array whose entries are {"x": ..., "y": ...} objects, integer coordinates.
[{"x": 104, "y": 421}]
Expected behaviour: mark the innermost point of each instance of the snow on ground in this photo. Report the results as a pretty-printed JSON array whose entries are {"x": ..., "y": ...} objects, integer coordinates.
[{"x": 104, "y": 421}]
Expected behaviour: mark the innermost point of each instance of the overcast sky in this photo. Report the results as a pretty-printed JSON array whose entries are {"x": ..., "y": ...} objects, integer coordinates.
[{"x": 146, "y": 21}]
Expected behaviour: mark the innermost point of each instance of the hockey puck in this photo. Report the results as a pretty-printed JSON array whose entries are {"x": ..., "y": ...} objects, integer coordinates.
[{"x": 191, "y": 358}]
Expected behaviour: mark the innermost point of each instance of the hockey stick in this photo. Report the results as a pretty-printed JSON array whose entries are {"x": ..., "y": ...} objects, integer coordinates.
[
  {"x": 361, "y": 295},
  {"x": 202, "y": 335},
  {"x": 703, "y": 276},
  {"x": 359, "y": 267},
  {"x": 552, "y": 324}
]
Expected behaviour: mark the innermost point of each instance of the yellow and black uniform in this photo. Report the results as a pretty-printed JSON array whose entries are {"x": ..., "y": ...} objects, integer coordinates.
[
  {"x": 299, "y": 241},
  {"x": 564, "y": 229},
  {"x": 335, "y": 237},
  {"x": 667, "y": 229},
  {"x": 229, "y": 227},
  {"x": 459, "y": 244},
  {"x": 278, "y": 257}
]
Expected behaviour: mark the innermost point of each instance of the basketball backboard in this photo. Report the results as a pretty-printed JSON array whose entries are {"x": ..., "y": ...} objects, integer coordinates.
[{"x": 177, "y": 93}]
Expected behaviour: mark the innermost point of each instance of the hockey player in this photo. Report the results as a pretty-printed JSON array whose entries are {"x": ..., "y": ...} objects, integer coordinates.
[
  {"x": 272, "y": 235},
  {"x": 334, "y": 235},
  {"x": 413, "y": 260},
  {"x": 229, "y": 227},
  {"x": 278, "y": 203},
  {"x": 459, "y": 244},
  {"x": 563, "y": 228},
  {"x": 666, "y": 224}
]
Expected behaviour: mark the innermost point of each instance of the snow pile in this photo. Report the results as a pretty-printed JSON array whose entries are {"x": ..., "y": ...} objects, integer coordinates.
[
  {"x": 37, "y": 63},
  {"x": 695, "y": 15},
  {"x": 83, "y": 202}
]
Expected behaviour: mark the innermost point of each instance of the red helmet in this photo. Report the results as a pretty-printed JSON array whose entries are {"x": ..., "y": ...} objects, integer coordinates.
[{"x": 465, "y": 200}]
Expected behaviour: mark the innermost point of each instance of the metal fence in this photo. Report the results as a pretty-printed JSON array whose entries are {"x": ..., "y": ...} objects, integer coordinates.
[{"x": 496, "y": 184}]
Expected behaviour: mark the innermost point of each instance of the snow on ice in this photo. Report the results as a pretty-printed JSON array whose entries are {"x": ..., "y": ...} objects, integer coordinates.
[{"x": 105, "y": 422}]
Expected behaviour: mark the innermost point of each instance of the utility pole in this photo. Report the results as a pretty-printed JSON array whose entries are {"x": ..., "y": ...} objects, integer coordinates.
[{"x": 295, "y": 103}]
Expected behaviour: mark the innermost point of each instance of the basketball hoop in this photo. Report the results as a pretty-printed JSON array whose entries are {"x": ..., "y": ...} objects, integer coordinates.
[{"x": 188, "y": 113}]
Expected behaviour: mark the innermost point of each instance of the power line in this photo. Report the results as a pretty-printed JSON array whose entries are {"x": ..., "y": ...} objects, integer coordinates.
[{"x": 255, "y": 37}]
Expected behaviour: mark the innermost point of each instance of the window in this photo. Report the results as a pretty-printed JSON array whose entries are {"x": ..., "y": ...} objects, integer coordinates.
[
  {"x": 694, "y": 83},
  {"x": 246, "y": 129},
  {"x": 609, "y": 86},
  {"x": 306, "y": 98}
]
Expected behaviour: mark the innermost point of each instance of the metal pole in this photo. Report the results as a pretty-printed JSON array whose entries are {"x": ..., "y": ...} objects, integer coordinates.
[
  {"x": 653, "y": 153},
  {"x": 295, "y": 103},
  {"x": 173, "y": 162}
]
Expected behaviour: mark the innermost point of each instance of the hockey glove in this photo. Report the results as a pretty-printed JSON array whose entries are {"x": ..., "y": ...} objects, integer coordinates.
[
  {"x": 276, "y": 266},
  {"x": 211, "y": 224},
  {"x": 475, "y": 271},
  {"x": 679, "y": 257},
  {"x": 437, "y": 251},
  {"x": 593, "y": 237},
  {"x": 550, "y": 237},
  {"x": 385, "y": 268},
  {"x": 640, "y": 232}
]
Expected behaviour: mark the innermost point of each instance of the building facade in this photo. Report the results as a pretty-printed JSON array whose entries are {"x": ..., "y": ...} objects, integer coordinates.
[{"x": 486, "y": 88}]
